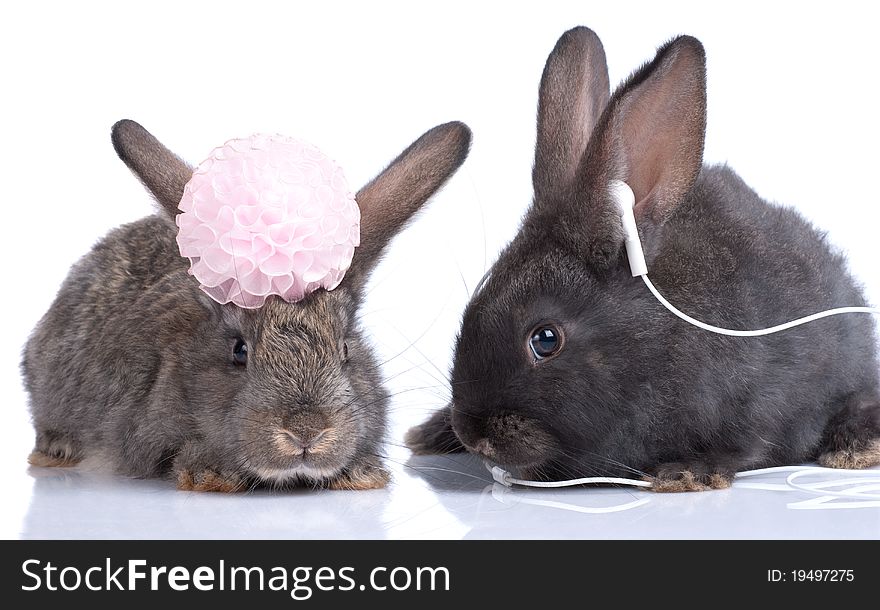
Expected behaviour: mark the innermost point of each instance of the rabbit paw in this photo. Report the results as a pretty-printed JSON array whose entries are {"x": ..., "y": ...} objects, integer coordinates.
[
  {"x": 435, "y": 436},
  {"x": 209, "y": 480},
  {"x": 674, "y": 477},
  {"x": 51, "y": 460},
  {"x": 853, "y": 458},
  {"x": 363, "y": 476},
  {"x": 54, "y": 450}
]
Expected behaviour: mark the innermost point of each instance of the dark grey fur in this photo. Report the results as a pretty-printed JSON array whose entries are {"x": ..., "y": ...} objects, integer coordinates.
[
  {"x": 132, "y": 365},
  {"x": 635, "y": 390}
]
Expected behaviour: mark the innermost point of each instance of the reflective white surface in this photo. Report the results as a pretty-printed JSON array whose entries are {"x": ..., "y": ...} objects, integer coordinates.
[{"x": 449, "y": 497}]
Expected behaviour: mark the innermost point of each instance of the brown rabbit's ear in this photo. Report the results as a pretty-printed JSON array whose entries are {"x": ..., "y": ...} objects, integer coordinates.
[
  {"x": 160, "y": 170},
  {"x": 397, "y": 193},
  {"x": 574, "y": 92}
]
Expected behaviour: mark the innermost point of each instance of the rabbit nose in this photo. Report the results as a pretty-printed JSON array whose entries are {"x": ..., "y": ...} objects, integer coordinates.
[{"x": 312, "y": 442}]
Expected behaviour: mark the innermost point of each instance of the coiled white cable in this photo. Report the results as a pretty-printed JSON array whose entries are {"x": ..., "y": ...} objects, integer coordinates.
[
  {"x": 862, "y": 477},
  {"x": 867, "y": 480}
]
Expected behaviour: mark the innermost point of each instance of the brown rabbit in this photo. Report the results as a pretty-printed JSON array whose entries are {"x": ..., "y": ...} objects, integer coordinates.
[{"x": 135, "y": 366}]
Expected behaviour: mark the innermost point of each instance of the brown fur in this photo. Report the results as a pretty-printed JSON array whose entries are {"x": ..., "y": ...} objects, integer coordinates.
[
  {"x": 853, "y": 458},
  {"x": 686, "y": 480},
  {"x": 361, "y": 479},
  {"x": 208, "y": 480},
  {"x": 44, "y": 460}
]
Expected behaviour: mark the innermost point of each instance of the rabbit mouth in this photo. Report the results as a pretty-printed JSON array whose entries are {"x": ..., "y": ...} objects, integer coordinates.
[
  {"x": 524, "y": 464},
  {"x": 526, "y": 470},
  {"x": 302, "y": 471}
]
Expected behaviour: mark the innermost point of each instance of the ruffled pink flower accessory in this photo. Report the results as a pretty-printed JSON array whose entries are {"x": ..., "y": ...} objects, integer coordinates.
[{"x": 267, "y": 215}]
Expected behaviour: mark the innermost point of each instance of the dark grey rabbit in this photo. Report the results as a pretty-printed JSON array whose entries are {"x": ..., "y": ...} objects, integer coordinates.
[
  {"x": 135, "y": 367},
  {"x": 566, "y": 366}
]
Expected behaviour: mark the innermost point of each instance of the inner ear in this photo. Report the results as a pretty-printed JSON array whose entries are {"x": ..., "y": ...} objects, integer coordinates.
[
  {"x": 660, "y": 120},
  {"x": 651, "y": 137}
]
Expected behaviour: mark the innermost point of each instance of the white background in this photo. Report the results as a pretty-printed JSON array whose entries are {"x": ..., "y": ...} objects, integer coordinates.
[{"x": 792, "y": 107}]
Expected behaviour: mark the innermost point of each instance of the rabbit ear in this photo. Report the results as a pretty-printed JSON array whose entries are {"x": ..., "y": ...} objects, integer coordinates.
[
  {"x": 653, "y": 132},
  {"x": 574, "y": 91},
  {"x": 650, "y": 136},
  {"x": 160, "y": 170},
  {"x": 392, "y": 197}
]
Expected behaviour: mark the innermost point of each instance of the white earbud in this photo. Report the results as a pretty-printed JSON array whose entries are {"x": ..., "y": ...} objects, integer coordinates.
[{"x": 626, "y": 199}]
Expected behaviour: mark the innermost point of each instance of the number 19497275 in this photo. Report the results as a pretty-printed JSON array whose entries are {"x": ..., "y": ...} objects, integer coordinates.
[{"x": 815, "y": 575}]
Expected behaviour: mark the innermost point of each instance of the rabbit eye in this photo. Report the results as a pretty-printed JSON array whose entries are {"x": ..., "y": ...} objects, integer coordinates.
[
  {"x": 344, "y": 351},
  {"x": 240, "y": 353},
  {"x": 546, "y": 341}
]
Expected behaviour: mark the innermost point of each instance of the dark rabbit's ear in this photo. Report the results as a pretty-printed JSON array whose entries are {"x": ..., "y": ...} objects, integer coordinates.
[
  {"x": 160, "y": 170},
  {"x": 650, "y": 136},
  {"x": 574, "y": 92},
  {"x": 655, "y": 128},
  {"x": 393, "y": 196}
]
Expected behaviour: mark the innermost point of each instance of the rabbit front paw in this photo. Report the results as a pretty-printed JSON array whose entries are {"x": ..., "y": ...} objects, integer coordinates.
[
  {"x": 853, "y": 458},
  {"x": 209, "y": 480},
  {"x": 360, "y": 477},
  {"x": 55, "y": 450},
  {"x": 435, "y": 436},
  {"x": 677, "y": 477},
  {"x": 196, "y": 469}
]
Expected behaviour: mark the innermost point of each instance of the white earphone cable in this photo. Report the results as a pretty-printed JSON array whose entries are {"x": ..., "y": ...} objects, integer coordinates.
[
  {"x": 867, "y": 480},
  {"x": 505, "y": 478},
  {"x": 753, "y": 333}
]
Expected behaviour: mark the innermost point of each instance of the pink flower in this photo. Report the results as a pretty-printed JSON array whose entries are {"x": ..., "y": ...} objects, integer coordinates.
[{"x": 267, "y": 215}]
